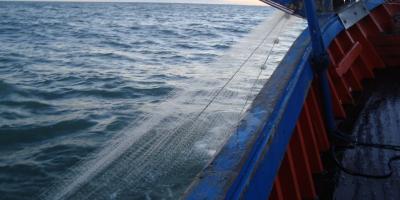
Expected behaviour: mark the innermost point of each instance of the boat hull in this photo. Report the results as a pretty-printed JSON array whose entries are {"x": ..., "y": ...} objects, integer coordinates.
[{"x": 277, "y": 152}]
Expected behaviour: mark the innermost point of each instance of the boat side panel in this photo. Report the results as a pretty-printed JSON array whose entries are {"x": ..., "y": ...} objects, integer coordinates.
[
  {"x": 357, "y": 48},
  {"x": 269, "y": 159}
]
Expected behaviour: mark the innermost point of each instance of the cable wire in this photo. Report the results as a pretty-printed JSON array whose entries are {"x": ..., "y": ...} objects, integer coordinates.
[
  {"x": 236, "y": 72},
  {"x": 276, "y": 41},
  {"x": 365, "y": 175},
  {"x": 353, "y": 144}
]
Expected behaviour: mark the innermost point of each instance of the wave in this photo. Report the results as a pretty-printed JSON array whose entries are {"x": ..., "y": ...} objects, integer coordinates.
[
  {"x": 33, "y": 132},
  {"x": 26, "y": 104},
  {"x": 119, "y": 44}
]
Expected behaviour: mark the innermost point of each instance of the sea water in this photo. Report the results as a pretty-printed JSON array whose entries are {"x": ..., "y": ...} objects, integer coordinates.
[{"x": 106, "y": 100}]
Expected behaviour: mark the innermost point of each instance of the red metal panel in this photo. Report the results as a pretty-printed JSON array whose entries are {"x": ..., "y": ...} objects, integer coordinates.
[
  {"x": 382, "y": 18},
  {"x": 345, "y": 64},
  {"x": 350, "y": 75},
  {"x": 341, "y": 87},
  {"x": 388, "y": 48},
  {"x": 277, "y": 193},
  {"x": 336, "y": 100},
  {"x": 374, "y": 18},
  {"x": 318, "y": 123},
  {"x": 392, "y": 61},
  {"x": 362, "y": 68},
  {"x": 392, "y": 8},
  {"x": 370, "y": 52},
  {"x": 349, "y": 36},
  {"x": 352, "y": 79},
  {"x": 288, "y": 178},
  {"x": 341, "y": 50},
  {"x": 303, "y": 170},
  {"x": 386, "y": 40},
  {"x": 368, "y": 27},
  {"x": 369, "y": 58},
  {"x": 369, "y": 55},
  {"x": 344, "y": 42},
  {"x": 306, "y": 130},
  {"x": 335, "y": 53}
]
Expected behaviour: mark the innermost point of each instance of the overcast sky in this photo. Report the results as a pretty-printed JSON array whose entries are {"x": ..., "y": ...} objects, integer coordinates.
[{"x": 243, "y": 2}]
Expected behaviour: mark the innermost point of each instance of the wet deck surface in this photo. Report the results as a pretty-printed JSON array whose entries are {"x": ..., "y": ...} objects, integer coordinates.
[{"x": 378, "y": 122}]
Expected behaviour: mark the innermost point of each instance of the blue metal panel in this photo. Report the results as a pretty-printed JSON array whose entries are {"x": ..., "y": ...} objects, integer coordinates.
[
  {"x": 332, "y": 28},
  {"x": 371, "y": 4},
  {"x": 267, "y": 160}
]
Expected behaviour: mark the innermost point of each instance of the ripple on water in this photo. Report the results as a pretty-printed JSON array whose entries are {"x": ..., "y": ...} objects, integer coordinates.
[
  {"x": 11, "y": 135},
  {"x": 28, "y": 105},
  {"x": 117, "y": 44}
]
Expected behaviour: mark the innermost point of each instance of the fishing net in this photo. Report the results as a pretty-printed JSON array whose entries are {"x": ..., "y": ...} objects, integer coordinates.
[{"x": 158, "y": 156}]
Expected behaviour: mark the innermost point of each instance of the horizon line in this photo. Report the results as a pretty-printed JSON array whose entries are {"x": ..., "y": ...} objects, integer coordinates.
[{"x": 131, "y": 1}]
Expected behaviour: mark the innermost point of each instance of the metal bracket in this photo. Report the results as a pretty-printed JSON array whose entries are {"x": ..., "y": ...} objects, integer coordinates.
[{"x": 353, "y": 13}]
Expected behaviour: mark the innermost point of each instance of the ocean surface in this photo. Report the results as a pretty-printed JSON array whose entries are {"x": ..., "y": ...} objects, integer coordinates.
[{"x": 126, "y": 100}]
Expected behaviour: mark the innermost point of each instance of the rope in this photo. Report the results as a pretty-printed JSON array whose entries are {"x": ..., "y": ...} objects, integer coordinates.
[
  {"x": 276, "y": 41},
  {"x": 365, "y": 175},
  {"x": 352, "y": 145}
]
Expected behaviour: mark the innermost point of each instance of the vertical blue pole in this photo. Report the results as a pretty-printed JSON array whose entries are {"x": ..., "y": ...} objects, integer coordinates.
[
  {"x": 320, "y": 62},
  {"x": 314, "y": 28}
]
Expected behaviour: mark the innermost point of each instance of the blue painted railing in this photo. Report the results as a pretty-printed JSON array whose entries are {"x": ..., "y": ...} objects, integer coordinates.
[{"x": 247, "y": 165}]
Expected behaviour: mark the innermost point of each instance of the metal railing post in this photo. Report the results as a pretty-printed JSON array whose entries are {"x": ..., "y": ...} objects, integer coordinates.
[{"x": 320, "y": 62}]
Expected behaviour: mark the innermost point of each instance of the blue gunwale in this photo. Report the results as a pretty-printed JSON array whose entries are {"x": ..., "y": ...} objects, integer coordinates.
[{"x": 247, "y": 165}]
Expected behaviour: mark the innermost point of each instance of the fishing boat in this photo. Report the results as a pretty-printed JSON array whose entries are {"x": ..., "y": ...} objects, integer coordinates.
[{"x": 308, "y": 134}]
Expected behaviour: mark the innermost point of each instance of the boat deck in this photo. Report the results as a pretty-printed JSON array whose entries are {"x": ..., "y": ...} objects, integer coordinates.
[{"x": 378, "y": 122}]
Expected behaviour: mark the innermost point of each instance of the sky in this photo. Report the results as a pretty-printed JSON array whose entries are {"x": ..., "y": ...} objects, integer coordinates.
[{"x": 240, "y": 2}]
